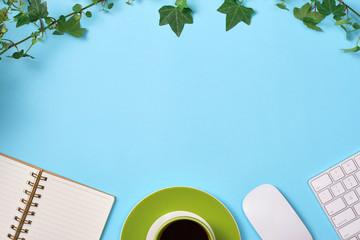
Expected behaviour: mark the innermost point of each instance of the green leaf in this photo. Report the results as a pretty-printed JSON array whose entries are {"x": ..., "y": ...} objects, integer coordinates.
[
  {"x": 20, "y": 54},
  {"x": 21, "y": 19},
  {"x": 181, "y": 4},
  {"x": 337, "y": 18},
  {"x": 88, "y": 14},
  {"x": 4, "y": 45},
  {"x": 77, "y": 8},
  {"x": 282, "y": 6},
  {"x": 312, "y": 26},
  {"x": 356, "y": 26},
  {"x": 343, "y": 22},
  {"x": 175, "y": 18},
  {"x": 57, "y": 32},
  {"x": 62, "y": 18},
  {"x": 3, "y": 29},
  {"x": 37, "y": 10},
  {"x": 2, "y": 12},
  {"x": 48, "y": 20},
  {"x": 35, "y": 34},
  {"x": 110, "y": 5},
  {"x": 309, "y": 18},
  {"x": 355, "y": 49},
  {"x": 328, "y": 7},
  {"x": 235, "y": 13},
  {"x": 71, "y": 26},
  {"x": 77, "y": 17}
]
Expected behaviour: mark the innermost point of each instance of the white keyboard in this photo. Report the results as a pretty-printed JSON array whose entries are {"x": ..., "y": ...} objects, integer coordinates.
[{"x": 338, "y": 191}]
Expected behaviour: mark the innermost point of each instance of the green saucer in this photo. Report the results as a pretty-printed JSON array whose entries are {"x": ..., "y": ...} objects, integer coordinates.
[{"x": 146, "y": 212}]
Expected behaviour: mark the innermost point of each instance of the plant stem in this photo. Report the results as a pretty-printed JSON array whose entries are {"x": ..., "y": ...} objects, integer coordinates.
[
  {"x": 7, "y": 10},
  {"x": 84, "y": 8},
  {"x": 44, "y": 29},
  {"x": 32, "y": 44},
  {"x": 11, "y": 42},
  {"x": 349, "y": 7}
]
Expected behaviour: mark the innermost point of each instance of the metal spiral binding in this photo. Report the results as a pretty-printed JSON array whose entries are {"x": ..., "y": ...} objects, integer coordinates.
[
  {"x": 28, "y": 204},
  {"x": 33, "y": 184},
  {"x": 13, "y": 237},
  {"x": 42, "y": 178}
]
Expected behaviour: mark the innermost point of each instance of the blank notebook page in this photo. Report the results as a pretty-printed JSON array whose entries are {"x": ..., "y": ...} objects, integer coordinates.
[
  {"x": 68, "y": 211},
  {"x": 13, "y": 182}
]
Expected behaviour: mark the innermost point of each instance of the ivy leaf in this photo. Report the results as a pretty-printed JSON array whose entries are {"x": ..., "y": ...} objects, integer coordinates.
[
  {"x": 57, "y": 32},
  {"x": 77, "y": 17},
  {"x": 328, "y": 7},
  {"x": 356, "y": 26},
  {"x": 71, "y": 26},
  {"x": 77, "y": 8},
  {"x": 235, "y": 13},
  {"x": 175, "y": 18},
  {"x": 309, "y": 18},
  {"x": 88, "y": 14},
  {"x": 355, "y": 49},
  {"x": 48, "y": 20},
  {"x": 3, "y": 12},
  {"x": 181, "y": 4},
  {"x": 21, "y": 19},
  {"x": 62, "y": 18},
  {"x": 343, "y": 22},
  {"x": 3, "y": 30},
  {"x": 20, "y": 54},
  {"x": 110, "y": 5},
  {"x": 282, "y": 6},
  {"x": 312, "y": 26},
  {"x": 37, "y": 10}
]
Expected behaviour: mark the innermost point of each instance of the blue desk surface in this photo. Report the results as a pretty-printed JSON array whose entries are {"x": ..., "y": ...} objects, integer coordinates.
[{"x": 131, "y": 108}]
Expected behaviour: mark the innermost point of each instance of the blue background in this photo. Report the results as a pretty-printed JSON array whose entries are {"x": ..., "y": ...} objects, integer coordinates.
[{"x": 131, "y": 108}]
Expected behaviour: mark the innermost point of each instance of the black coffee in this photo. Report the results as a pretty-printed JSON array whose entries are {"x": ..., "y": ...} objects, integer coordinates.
[{"x": 184, "y": 230}]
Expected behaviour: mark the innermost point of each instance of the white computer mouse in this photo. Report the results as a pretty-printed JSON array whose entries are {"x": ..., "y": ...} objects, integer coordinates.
[{"x": 272, "y": 216}]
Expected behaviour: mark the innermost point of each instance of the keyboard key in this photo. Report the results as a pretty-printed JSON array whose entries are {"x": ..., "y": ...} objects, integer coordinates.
[
  {"x": 321, "y": 182},
  {"x": 325, "y": 196},
  {"x": 358, "y": 175},
  {"x": 337, "y": 189},
  {"x": 357, "y": 208},
  {"x": 349, "y": 166},
  {"x": 357, "y": 160},
  {"x": 350, "y": 198},
  {"x": 344, "y": 217},
  {"x": 350, "y": 229},
  {"x": 337, "y": 173},
  {"x": 335, "y": 206},
  {"x": 350, "y": 182}
]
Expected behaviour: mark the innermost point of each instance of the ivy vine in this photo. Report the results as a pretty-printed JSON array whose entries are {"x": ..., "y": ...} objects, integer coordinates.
[
  {"x": 24, "y": 12},
  {"x": 314, "y": 12},
  {"x": 35, "y": 12}
]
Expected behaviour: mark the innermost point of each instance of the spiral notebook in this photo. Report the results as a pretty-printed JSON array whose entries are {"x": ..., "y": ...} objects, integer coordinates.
[{"x": 39, "y": 205}]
